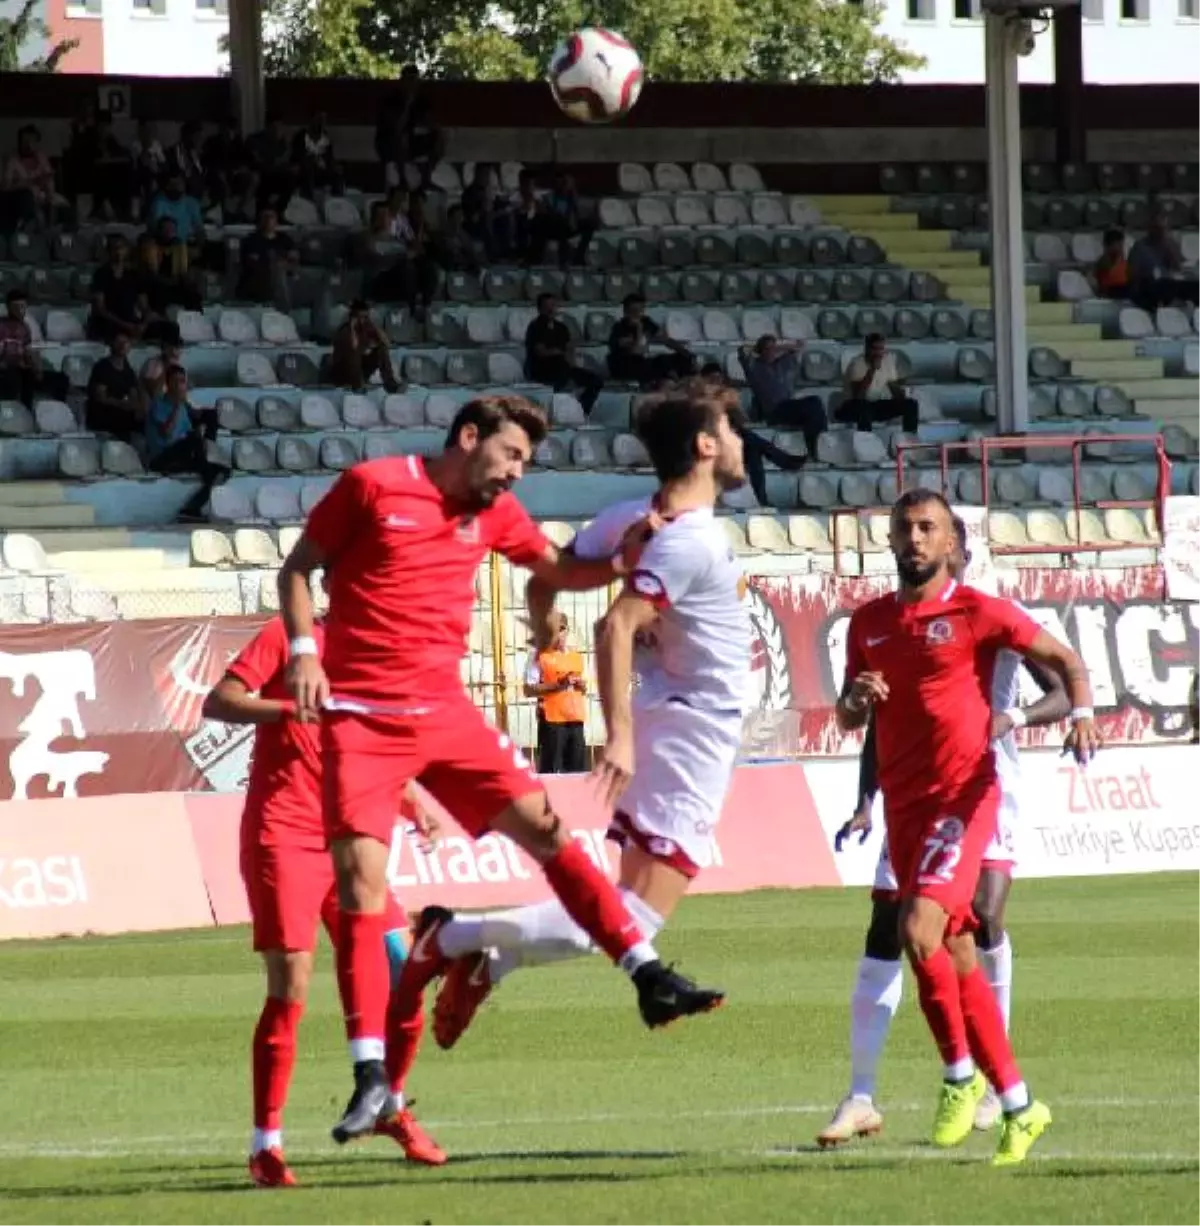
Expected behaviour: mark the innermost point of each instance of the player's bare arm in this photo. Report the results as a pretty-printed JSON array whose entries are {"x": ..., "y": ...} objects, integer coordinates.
[
  {"x": 1053, "y": 706},
  {"x": 231, "y": 702},
  {"x": 1083, "y": 741},
  {"x": 616, "y": 632},
  {"x": 306, "y": 678}
]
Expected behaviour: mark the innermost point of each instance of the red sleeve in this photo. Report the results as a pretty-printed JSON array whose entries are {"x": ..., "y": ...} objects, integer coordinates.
[
  {"x": 265, "y": 655},
  {"x": 332, "y": 522},
  {"x": 514, "y": 534},
  {"x": 1000, "y": 623},
  {"x": 856, "y": 662}
]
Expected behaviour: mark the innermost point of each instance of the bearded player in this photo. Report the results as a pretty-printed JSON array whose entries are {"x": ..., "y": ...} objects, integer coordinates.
[
  {"x": 404, "y": 537},
  {"x": 290, "y": 887},
  {"x": 921, "y": 662},
  {"x": 879, "y": 984},
  {"x": 682, "y": 625}
]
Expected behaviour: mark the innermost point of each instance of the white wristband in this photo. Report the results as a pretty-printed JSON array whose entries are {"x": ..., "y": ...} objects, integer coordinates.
[
  {"x": 304, "y": 645},
  {"x": 1017, "y": 717},
  {"x": 1081, "y": 713}
]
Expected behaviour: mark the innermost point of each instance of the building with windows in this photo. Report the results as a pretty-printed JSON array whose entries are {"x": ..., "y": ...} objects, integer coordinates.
[{"x": 1125, "y": 42}]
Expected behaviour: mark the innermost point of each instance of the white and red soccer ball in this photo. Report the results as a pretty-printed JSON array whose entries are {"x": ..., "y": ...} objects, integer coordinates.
[{"x": 595, "y": 75}]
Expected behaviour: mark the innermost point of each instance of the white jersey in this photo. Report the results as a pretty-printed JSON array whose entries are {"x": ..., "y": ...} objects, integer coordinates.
[{"x": 698, "y": 652}]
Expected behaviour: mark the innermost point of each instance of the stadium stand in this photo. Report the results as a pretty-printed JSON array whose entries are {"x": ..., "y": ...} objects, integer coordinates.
[{"x": 722, "y": 259}]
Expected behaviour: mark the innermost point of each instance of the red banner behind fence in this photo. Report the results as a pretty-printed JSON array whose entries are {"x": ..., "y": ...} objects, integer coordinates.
[{"x": 110, "y": 708}]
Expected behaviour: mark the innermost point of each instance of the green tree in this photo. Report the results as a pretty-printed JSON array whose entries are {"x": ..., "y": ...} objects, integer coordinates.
[
  {"x": 16, "y": 32},
  {"x": 836, "y": 42}
]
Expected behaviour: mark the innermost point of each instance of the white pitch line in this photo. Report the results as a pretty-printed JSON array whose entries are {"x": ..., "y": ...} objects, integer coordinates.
[{"x": 229, "y": 1140}]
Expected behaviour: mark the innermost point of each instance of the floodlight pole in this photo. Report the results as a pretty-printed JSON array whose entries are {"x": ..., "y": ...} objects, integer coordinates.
[
  {"x": 1008, "y": 239},
  {"x": 246, "y": 64}
]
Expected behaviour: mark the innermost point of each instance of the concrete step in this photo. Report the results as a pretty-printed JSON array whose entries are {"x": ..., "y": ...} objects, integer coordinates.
[
  {"x": 107, "y": 561},
  {"x": 1060, "y": 334},
  {"x": 907, "y": 246},
  {"x": 1040, "y": 312},
  {"x": 16, "y": 518},
  {"x": 852, "y": 204},
  {"x": 931, "y": 261},
  {"x": 981, "y": 295},
  {"x": 1114, "y": 370},
  {"x": 865, "y": 223},
  {"x": 31, "y": 493},
  {"x": 1176, "y": 390},
  {"x": 1093, "y": 350}
]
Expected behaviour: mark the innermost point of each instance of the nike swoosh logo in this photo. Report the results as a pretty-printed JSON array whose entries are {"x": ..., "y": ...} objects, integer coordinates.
[
  {"x": 875, "y": 642},
  {"x": 479, "y": 974},
  {"x": 421, "y": 952},
  {"x": 670, "y": 1001}
]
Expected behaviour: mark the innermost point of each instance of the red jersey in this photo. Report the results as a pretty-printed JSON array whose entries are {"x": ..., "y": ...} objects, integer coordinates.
[
  {"x": 284, "y": 791},
  {"x": 933, "y": 734},
  {"x": 402, "y": 565}
]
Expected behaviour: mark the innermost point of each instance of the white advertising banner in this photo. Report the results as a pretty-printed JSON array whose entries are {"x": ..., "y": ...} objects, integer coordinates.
[
  {"x": 1133, "y": 810},
  {"x": 1181, "y": 547}
]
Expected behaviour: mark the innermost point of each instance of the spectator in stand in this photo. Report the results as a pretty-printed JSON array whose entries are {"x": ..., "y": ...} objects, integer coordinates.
[
  {"x": 406, "y": 133},
  {"x": 554, "y": 676},
  {"x": 268, "y": 258},
  {"x": 269, "y": 152},
  {"x": 174, "y": 203},
  {"x": 392, "y": 273},
  {"x": 312, "y": 156},
  {"x": 756, "y": 449},
  {"x": 550, "y": 355},
  {"x": 154, "y": 264},
  {"x": 114, "y": 402},
  {"x": 561, "y": 220},
  {"x": 874, "y": 391},
  {"x": 186, "y": 159},
  {"x": 27, "y": 192},
  {"x": 22, "y": 376},
  {"x": 1156, "y": 272},
  {"x": 229, "y": 163},
  {"x": 629, "y": 341},
  {"x": 772, "y": 369},
  {"x": 149, "y": 160},
  {"x": 1111, "y": 270},
  {"x": 360, "y": 350},
  {"x": 176, "y": 441},
  {"x": 104, "y": 168},
  {"x": 456, "y": 250},
  {"x": 153, "y": 375},
  {"x": 479, "y": 207},
  {"x": 120, "y": 301}
]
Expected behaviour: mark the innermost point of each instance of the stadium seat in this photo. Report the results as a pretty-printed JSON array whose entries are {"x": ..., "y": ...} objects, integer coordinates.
[
  {"x": 745, "y": 178},
  {"x": 295, "y": 455},
  {"x": 278, "y": 502},
  {"x": 54, "y": 417},
  {"x": 237, "y": 328},
  {"x": 298, "y": 369},
  {"x": 423, "y": 369},
  {"x": 382, "y": 445},
  {"x": 589, "y": 450},
  {"x": 1172, "y": 322},
  {"x": 338, "y": 452},
  {"x": 209, "y": 547},
  {"x": 254, "y": 369},
  {"x": 467, "y": 369},
  {"x": 64, "y": 328},
  {"x": 195, "y": 328},
  {"x": 504, "y": 368},
  {"x": 15, "y": 419},
  {"x": 318, "y": 413},
  {"x": 403, "y": 410},
  {"x": 231, "y": 503},
  {"x": 278, "y": 329},
  {"x": 440, "y": 409},
  {"x": 1134, "y": 324},
  {"x": 634, "y": 178},
  {"x": 120, "y": 460},
  {"x": 628, "y": 452},
  {"x": 361, "y": 412},
  {"x": 79, "y": 458},
  {"x": 251, "y": 455},
  {"x": 254, "y": 547},
  {"x": 552, "y": 452},
  {"x": 342, "y": 214},
  {"x": 565, "y": 410}
]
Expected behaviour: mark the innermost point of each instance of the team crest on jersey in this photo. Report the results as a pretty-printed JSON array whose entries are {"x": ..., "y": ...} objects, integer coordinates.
[
  {"x": 468, "y": 530},
  {"x": 646, "y": 584},
  {"x": 939, "y": 631}
]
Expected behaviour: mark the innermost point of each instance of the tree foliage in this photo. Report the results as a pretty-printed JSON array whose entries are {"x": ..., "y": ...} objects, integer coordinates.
[
  {"x": 836, "y": 42},
  {"x": 16, "y": 31}
]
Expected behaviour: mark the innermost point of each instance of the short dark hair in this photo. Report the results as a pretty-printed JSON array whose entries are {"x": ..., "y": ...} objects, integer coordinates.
[
  {"x": 173, "y": 372},
  {"x": 670, "y": 422},
  {"x": 918, "y": 496},
  {"x": 547, "y": 295},
  {"x": 763, "y": 341},
  {"x": 1114, "y": 234},
  {"x": 960, "y": 534},
  {"x": 709, "y": 369},
  {"x": 360, "y": 306},
  {"x": 633, "y": 300},
  {"x": 874, "y": 338},
  {"x": 489, "y": 413},
  {"x": 18, "y": 293}
]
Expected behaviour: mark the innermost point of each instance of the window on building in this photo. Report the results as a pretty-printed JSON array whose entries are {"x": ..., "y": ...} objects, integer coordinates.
[
  {"x": 1093, "y": 10},
  {"x": 922, "y": 10},
  {"x": 1189, "y": 10},
  {"x": 967, "y": 10},
  {"x": 1135, "y": 10}
]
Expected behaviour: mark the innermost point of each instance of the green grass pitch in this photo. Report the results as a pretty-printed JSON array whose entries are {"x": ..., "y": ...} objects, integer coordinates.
[{"x": 124, "y": 1065}]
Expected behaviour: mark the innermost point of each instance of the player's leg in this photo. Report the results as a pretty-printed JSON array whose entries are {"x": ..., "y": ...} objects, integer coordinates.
[
  {"x": 485, "y": 781},
  {"x": 487, "y": 948},
  {"x": 994, "y": 951},
  {"x": 366, "y": 765},
  {"x": 285, "y": 887},
  {"x": 878, "y": 986}
]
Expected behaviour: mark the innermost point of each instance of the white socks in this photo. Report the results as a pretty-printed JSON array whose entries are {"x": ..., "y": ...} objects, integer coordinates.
[
  {"x": 266, "y": 1138},
  {"x": 366, "y": 1049},
  {"x": 876, "y": 998},
  {"x": 538, "y": 934},
  {"x": 997, "y": 970}
]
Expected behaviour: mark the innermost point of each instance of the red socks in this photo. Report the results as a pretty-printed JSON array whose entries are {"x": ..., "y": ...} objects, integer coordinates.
[
  {"x": 938, "y": 988},
  {"x": 592, "y": 901},
  {"x": 985, "y": 1031},
  {"x": 405, "y": 1026},
  {"x": 363, "y": 977},
  {"x": 273, "y": 1055}
]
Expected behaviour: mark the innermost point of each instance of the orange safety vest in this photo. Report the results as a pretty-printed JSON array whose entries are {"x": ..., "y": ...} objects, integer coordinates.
[{"x": 565, "y": 706}]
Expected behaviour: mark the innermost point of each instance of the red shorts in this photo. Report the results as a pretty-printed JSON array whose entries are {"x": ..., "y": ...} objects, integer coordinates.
[
  {"x": 290, "y": 890},
  {"x": 469, "y": 767},
  {"x": 937, "y": 849}
]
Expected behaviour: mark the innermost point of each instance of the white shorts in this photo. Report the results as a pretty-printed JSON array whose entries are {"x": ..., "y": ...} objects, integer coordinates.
[
  {"x": 683, "y": 766},
  {"x": 1001, "y": 853}
]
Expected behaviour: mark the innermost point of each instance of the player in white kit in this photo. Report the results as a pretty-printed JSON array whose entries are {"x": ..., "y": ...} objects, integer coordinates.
[
  {"x": 673, "y": 665},
  {"x": 879, "y": 984}
]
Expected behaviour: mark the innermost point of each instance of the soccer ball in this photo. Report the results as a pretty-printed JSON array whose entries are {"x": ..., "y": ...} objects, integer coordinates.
[{"x": 595, "y": 75}]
